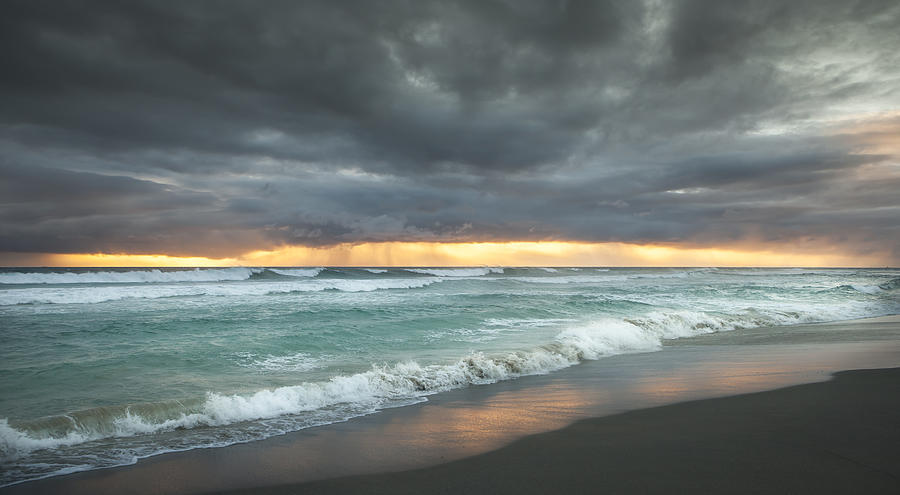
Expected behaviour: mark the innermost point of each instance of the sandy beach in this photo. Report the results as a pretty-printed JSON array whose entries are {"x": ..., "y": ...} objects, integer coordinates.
[
  {"x": 444, "y": 246},
  {"x": 698, "y": 415},
  {"x": 835, "y": 437}
]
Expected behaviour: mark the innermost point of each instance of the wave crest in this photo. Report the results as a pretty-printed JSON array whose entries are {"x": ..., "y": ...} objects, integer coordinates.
[
  {"x": 93, "y": 295},
  {"x": 297, "y": 272},
  {"x": 383, "y": 385},
  {"x": 130, "y": 276},
  {"x": 455, "y": 272},
  {"x": 375, "y": 388}
]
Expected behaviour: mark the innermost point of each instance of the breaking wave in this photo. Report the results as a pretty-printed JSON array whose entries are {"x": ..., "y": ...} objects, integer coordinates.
[
  {"x": 381, "y": 386},
  {"x": 130, "y": 276},
  {"x": 893, "y": 284},
  {"x": 297, "y": 272},
  {"x": 151, "y": 276},
  {"x": 99, "y": 294},
  {"x": 455, "y": 272}
]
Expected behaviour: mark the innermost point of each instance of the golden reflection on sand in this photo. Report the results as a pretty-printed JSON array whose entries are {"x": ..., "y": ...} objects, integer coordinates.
[
  {"x": 480, "y": 419},
  {"x": 479, "y": 426},
  {"x": 764, "y": 371}
]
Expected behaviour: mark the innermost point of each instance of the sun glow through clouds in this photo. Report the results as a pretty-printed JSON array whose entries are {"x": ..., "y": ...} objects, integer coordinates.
[{"x": 553, "y": 253}]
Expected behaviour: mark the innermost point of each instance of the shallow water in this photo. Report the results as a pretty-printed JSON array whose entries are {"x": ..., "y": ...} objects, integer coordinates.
[{"x": 101, "y": 367}]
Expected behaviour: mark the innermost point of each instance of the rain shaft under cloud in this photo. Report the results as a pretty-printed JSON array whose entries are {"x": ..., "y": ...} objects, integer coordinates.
[{"x": 212, "y": 129}]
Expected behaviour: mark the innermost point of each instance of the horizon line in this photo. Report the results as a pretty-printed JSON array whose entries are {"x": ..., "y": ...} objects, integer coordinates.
[{"x": 215, "y": 267}]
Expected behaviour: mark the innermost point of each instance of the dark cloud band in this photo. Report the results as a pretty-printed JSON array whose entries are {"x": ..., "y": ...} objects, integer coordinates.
[{"x": 213, "y": 128}]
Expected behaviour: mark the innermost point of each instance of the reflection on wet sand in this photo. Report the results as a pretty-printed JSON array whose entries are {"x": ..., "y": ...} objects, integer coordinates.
[
  {"x": 461, "y": 427},
  {"x": 478, "y": 419}
]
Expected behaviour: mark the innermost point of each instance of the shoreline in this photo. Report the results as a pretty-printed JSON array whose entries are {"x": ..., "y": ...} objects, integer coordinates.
[
  {"x": 463, "y": 423},
  {"x": 765, "y": 442}
]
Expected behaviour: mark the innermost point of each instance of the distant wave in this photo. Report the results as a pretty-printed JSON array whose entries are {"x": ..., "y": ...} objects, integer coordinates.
[
  {"x": 779, "y": 272},
  {"x": 150, "y": 276},
  {"x": 209, "y": 275},
  {"x": 455, "y": 272},
  {"x": 201, "y": 275},
  {"x": 383, "y": 383},
  {"x": 889, "y": 286},
  {"x": 378, "y": 386},
  {"x": 893, "y": 284},
  {"x": 300, "y": 361},
  {"x": 130, "y": 276},
  {"x": 99, "y": 294},
  {"x": 219, "y": 418},
  {"x": 297, "y": 272}
]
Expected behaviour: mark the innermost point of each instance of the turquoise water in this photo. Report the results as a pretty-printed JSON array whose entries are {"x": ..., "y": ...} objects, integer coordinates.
[{"x": 100, "y": 367}]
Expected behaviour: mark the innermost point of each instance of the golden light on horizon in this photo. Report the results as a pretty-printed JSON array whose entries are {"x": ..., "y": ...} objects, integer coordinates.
[
  {"x": 133, "y": 260},
  {"x": 519, "y": 253}
]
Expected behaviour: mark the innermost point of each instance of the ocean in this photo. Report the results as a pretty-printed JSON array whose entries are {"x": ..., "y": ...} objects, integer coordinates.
[{"x": 102, "y": 367}]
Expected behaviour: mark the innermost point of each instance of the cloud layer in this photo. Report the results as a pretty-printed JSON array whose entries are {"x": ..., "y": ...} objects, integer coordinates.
[{"x": 214, "y": 128}]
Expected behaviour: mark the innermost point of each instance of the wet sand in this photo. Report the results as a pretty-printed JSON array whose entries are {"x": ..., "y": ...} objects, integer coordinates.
[
  {"x": 841, "y": 436},
  {"x": 567, "y": 431}
]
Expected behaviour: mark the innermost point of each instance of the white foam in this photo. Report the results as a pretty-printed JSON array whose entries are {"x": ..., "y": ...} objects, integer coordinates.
[
  {"x": 494, "y": 328},
  {"x": 867, "y": 289},
  {"x": 564, "y": 279},
  {"x": 455, "y": 272},
  {"x": 14, "y": 442},
  {"x": 95, "y": 294},
  {"x": 368, "y": 285},
  {"x": 375, "y": 270},
  {"x": 673, "y": 324},
  {"x": 600, "y": 277},
  {"x": 297, "y": 272},
  {"x": 768, "y": 272},
  {"x": 131, "y": 276},
  {"x": 390, "y": 384},
  {"x": 605, "y": 337},
  {"x": 472, "y": 335},
  {"x": 376, "y": 387},
  {"x": 298, "y": 362},
  {"x": 523, "y": 323}
]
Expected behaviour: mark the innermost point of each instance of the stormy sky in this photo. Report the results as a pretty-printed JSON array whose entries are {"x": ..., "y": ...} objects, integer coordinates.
[{"x": 216, "y": 128}]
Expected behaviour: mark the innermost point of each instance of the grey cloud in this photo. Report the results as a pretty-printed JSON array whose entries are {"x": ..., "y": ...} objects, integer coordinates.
[{"x": 217, "y": 127}]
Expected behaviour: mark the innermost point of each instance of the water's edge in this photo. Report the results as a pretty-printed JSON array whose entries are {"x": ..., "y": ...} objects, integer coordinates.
[{"x": 765, "y": 364}]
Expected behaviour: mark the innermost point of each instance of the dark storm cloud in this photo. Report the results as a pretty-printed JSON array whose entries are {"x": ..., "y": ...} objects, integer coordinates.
[{"x": 216, "y": 127}]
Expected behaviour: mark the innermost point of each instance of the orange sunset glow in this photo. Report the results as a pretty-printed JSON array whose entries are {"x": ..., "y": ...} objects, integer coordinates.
[
  {"x": 554, "y": 253},
  {"x": 319, "y": 246}
]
